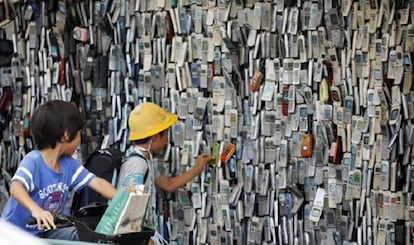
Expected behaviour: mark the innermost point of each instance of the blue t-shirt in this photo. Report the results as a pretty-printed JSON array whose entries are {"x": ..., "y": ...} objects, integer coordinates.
[{"x": 48, "y": 188}]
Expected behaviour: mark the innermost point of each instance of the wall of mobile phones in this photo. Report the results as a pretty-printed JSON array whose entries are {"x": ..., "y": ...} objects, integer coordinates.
[{"x": 307, "y": 107}]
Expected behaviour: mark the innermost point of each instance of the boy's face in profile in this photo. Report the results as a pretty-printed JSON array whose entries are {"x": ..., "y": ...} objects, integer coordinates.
[
  {"x": 70, "y": 147},
  {"x": 160, "y": 141}
]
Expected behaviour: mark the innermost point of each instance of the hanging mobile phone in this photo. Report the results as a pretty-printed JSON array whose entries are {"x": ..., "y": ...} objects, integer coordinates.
[
  {"x": 333, "y": 154},
  {"x": 227, "y": 152},
  {"x": 306, "y": 147},
  {"x": 81, "y": 34},
  {"x": 257, "y": 78},
  {"x": 285, "y": 100},
  {"x": 303, "y": 117}
]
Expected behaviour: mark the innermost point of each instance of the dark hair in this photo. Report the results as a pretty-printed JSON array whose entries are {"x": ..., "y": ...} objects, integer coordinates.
[
  {"x": 145, "y": 140},
  {"x": 50, "y": 121}
]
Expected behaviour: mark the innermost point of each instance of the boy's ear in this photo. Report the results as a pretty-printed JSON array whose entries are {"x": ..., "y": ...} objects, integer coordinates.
[{"x": 66, "y": 136}]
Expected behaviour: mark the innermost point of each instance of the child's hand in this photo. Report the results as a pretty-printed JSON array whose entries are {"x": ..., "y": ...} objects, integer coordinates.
[
  {"x": 44, "y": 217},
  {"x": 203, "y": 159}
]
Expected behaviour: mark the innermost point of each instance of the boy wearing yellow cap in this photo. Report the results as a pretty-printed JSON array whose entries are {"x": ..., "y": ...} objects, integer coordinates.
[{"x": 149, "y": 125}]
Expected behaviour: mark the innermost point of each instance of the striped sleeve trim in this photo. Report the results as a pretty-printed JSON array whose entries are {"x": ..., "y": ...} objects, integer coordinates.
[
  {"x": 23, "y": 181},
  {"x": 84, "y": 181},
  {"x": 77, "y": 173},
  {"x": 30, "y": 186}
]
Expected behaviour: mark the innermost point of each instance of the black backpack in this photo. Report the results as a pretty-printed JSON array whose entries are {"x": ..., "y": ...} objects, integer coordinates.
[{"x": 104, "y": 163}]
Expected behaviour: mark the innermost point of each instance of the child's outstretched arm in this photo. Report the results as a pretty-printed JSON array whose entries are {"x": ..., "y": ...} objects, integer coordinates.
[
  {"x": 172, "y": 184},
  {"x": 42, "y": 216},
  {"x": 103, "y": 187}
]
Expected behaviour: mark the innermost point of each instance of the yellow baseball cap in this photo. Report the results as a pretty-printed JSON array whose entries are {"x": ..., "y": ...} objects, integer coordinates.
[{"x": 148, "y": 119}]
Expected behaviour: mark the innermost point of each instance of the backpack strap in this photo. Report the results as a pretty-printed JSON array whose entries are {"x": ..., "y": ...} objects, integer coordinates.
[{"x": 135, "y": 154}]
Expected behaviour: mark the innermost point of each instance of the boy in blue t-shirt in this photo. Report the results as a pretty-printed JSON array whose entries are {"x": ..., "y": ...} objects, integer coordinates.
[{"x": 45, "y": 176}]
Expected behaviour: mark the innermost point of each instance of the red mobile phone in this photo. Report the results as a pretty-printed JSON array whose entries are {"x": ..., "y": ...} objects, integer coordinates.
[
  {"x": 227, "y": 152},
  {"x": 285, "y": 100},
  {"x": 169, "y": 28}
]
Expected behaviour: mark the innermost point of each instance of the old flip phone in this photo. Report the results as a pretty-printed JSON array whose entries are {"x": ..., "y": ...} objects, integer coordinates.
[
  {"x": 257, "y": 78},
  {"x": 303, "y": 118},
  {"x": 285, "y": 100},
  {"x": 334, "y": 151},
  {"x": 227, "y": 152},
  {"x": 306, "y": 147}
]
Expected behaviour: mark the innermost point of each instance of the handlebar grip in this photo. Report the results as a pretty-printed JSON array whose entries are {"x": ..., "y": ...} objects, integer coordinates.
[
  {"x": 32, "y": 221},
  {"x": 59, "y": 220}
]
